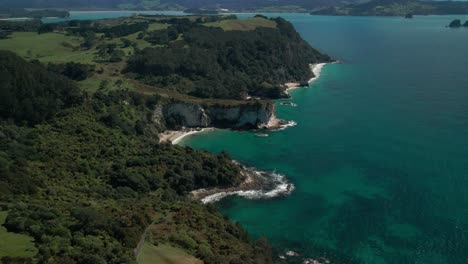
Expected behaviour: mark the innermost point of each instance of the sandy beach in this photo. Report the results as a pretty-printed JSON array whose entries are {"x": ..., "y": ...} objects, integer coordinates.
[
  {"x": 175, "y": 136},
  {"x": 316, "y": 70}
]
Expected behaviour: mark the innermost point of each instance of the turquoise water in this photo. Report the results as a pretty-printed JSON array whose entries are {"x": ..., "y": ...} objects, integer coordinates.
[{"x": 379, "y": 157}]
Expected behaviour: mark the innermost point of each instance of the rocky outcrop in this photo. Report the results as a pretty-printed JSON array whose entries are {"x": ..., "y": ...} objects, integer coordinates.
[
  {"x": 242, "y": 115},
  {"x": 186, "y": 115},
  {"x": 455, "y": 23}
]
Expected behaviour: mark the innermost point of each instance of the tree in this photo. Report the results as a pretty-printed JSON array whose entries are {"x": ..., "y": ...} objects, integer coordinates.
[
  {"x": 73, "y": 70},
  {"x": 89, "y": 39},
  {"x": 30, "y": 93},
  {"x": 125, "y": 42}
]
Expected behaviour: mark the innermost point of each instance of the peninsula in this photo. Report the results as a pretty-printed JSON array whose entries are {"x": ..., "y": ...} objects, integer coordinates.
[{"x": 84, "y": 177}]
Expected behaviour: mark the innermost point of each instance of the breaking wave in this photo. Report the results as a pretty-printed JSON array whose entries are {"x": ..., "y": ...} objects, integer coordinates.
[
  {"x": 286, "y": 125},
  {"x": 272, "y": 185}
]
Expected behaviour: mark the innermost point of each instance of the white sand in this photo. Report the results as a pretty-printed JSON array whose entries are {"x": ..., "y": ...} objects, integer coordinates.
[
  {"x": 316, "y": 70},
  {"x": 176, "y": 136}
]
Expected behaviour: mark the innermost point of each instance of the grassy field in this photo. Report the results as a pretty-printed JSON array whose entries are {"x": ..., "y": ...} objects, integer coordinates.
[
  {"x": 165, "y": 254},
  {"x": 14, "y": 245},
  {"x": 49, "y": 47},
  {"x": 141, "y": 44},
  {"x": 157, "y": 26},
  {"x": 243, "y": 25},
  {"x": 57, "y": 47}
]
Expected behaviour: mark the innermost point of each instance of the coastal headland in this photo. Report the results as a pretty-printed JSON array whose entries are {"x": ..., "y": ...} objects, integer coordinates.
[
  {"x": 256, "y": 184},
  {"x": 85, "y": 106}
]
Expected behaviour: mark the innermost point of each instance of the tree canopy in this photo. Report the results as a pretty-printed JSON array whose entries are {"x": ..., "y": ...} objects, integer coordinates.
[
  {"x": 209, "y": 62},
  {"x": 30, "y": 93},
  {"x": 90, "y": 176}
]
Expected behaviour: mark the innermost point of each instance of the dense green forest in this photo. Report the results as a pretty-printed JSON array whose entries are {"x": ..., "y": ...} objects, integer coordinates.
[
  {"x": 30, "y": 93},
  {"x": 85, "y": 175},
  {"x": 397, "y": 8},
  {"x": 200, "y": 56},
  {"x": 210, "y": 62}
]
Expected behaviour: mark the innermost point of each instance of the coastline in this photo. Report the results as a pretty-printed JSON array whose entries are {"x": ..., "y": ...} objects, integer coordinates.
[
  {"x": 15, "y": 18},
  {"x": 316, "y": 69},
  {"x": 256, "y": 185},
  {"x": 176, "y": 136}
]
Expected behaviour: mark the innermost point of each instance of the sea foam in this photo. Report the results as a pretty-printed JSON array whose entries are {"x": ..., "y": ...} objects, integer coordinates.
[{"x": 275, "y": 185}]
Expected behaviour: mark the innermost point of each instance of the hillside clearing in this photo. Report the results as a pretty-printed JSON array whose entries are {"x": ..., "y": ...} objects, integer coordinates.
[
  {"x": 243, "y": 25},
  {"x": 165, "y": 254},
  {"x": 12, "y": 244}
]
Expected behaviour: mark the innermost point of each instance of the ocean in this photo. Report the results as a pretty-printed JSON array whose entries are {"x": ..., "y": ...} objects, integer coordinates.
[{"x": 379, "y": 155}]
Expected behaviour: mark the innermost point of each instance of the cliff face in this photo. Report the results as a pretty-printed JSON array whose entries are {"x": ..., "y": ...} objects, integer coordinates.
[{"x": 241, "y": 116}]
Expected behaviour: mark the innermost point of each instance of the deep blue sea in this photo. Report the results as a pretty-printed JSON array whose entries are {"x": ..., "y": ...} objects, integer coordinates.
[{"x": 379, "y": 156}]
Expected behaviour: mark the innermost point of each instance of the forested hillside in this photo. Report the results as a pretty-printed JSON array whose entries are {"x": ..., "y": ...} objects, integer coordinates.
[
  {"x": 30, "y": 93},
  {"x": 212, "y": 62},
  {"x": 83, "y": 176},
  {"x": 59, "y": 3},
  {"x": 20, "y": 12},
  {"x": 87, "y": 179},
  {"x": 200, "y": 56}
]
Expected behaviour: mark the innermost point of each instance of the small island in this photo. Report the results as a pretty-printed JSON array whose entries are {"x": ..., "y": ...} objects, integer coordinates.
[{"x": 456, "y": 23}]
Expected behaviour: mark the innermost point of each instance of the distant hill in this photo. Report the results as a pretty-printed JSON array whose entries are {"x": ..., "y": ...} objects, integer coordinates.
[
  {"x": 238, "y": 5},
  {"x": 260, "y": 4},
  {"x": 60, "y": 3},
  {"x": 397, "y": 8},
  {"x": 20, "y": 12}
]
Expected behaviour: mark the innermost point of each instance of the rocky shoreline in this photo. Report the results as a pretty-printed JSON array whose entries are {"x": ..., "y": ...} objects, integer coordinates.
[
  {"x": 175, "y": 136},
  {"x": 256, "y": 185}
]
